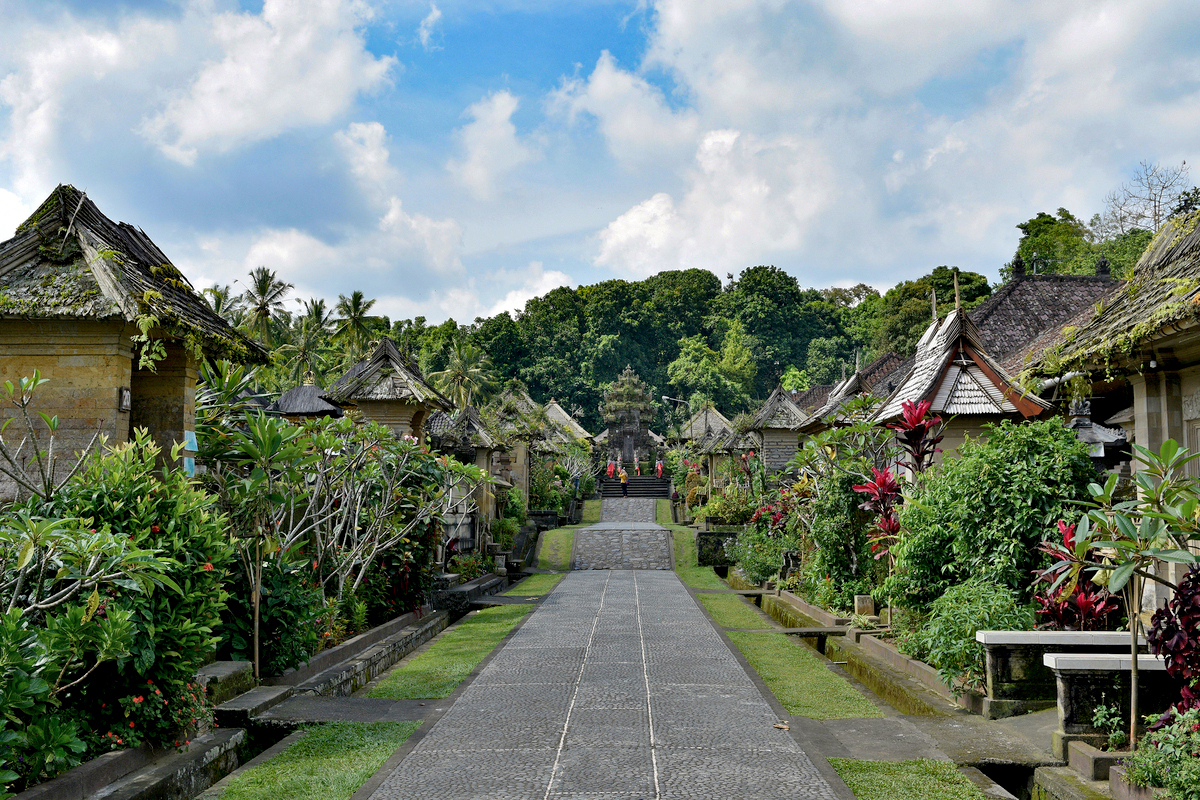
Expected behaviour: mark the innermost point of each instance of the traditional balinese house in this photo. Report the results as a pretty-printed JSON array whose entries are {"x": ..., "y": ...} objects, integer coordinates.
[
  {"x": 704, "y": 425},
  {"x": 568, "y": 430},
  {"x": 304, "y": 402},
  {"x": 777, "y": 424},
  {"x": 878, "y": 379},
  {"x": 463, "y": 436},
  {"x": 809, "y": 400},
  {"x": 387, "y": 387},
  {"x": 515, "y": 410},
  {"x": 963, "y": 383},
  {"x": 110, "y": 323},
  {"x": 723, "y": 447}
]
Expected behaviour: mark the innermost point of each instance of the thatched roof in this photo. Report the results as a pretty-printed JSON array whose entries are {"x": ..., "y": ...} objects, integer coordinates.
[
  {"x": 705, "y": 422},
  {"x": 953, "y": 370},
  {"x": 779, "y": 412},
  {"x": 304, "y": 401},
  {"x": 69, "y": 261},
  {"x": 878, "y": 378},
  {"x": 463, "y": 429},
  {"x": 1161, "y": 296},
  {"x": 732, "y": 442},
  {"x": 560, "y": 417},
  {"x": 386, "y": 375}
]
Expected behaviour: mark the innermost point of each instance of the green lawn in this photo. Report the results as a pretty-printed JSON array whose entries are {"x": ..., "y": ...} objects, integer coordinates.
[
  {"x": 662, "y": 511},
  {"x": 536, "y": 585},
  {"x": 730, "y": 611},
  {"x": 685, "y": 558},
  {"x": 921, "y": 779},
  {"x": 441, "y": 668},
  {"x": 329, "y": 763},
  {"x": 591, "y": 512},
  {"x": 554, "y": 548},
  {"x": 800, "y": 679}
]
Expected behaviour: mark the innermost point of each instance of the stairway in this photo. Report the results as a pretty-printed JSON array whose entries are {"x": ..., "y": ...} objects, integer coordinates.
[{"x": 643, "y": 486}]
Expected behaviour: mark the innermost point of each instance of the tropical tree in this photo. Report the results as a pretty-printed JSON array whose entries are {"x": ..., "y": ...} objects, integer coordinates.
[
  {"x": 468, "y": 377},
  {"x": 354, "y": 321},
  {"x": 264, "y": 301},
  {"x": 228, "y": 305},
  {"x": 303, "y": 353},
  {"x": 316, "y": 313}
]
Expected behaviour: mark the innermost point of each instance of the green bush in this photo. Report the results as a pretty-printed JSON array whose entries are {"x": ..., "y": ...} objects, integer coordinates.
[
  {"x": 841, "y": 564},
  {"x": 470, "y": 566},
  {"x": 289, "y": 611},
  {"x": 758, "y": 553},
  {"x": 1169, "y": 758},
  {"x": 504, "y": 531},
  {"x": 983, "y": 514},
  {"x": 165, "y": 510},
  {"x": 947, "y": 640}
]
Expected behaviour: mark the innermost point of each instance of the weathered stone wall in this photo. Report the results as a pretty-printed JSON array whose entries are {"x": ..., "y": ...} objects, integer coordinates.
[
  {"x": 84, "y": 364},
  {"x": 779, "y": 445},
  {"x": 397, "y": 415},
  {"x": 164, "y": 400}
]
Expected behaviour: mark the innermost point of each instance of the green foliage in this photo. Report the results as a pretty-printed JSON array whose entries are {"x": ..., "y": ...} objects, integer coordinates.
[
  {"x": 1109, "y": 720},
  {"x": 842, "y": 560},
  {"x": 906, "y": 309},
  {"x": 983, "y": 514},
  {"x": 1167, "y": 758},
  {"x": 290, "y": 610},
  {"x": 504, "y": 530},
  {"x": 947, "y": 640},
  {"x": 759, "y": 553},
  {"x": 470, "y": 566}
]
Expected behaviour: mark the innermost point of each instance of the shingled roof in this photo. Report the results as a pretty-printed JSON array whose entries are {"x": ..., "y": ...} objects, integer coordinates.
[
  {"x": 463, "y": 429},
  {"x": 1028, "y": 305},
  {"x": 954, "y": 371},
  {"x": 386, "y": 375},
  {"x": 559, "y": 416},
  {"x": 875, "y": 378},
  {"x": 779, "y": 412},
  {"x": 705, "y": 422},
  {"x": 304, "y": 401},
  {"x": 69, "y": 261},
  {"x": 1162, "y": 294},
  {"x": 809, "y": 400}
]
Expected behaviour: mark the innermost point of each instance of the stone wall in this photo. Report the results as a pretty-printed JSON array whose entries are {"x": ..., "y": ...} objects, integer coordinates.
[
  {"x": 84, "y": 364},
  {"x": 164, "y": 400},
  {"x": 403, "y": 418},
  {"x": 779, "y": 445}
]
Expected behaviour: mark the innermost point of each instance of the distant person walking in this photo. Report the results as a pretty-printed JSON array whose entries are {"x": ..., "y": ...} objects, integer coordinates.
[{"x": 624, "y": 483}]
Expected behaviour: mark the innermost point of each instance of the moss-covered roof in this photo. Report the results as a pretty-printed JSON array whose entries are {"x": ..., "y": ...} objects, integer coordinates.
[
  {"x": 1162, "y": 293},
  {"x": 386, "y": 374},
  {"x": 70, "y": 261}
]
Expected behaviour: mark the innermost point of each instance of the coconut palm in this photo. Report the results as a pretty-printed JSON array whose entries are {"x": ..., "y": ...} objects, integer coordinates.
[
  {"x": 303, "y": 353},
  {"x": 468, "y": 377},
  {"x": 316, "y": 313},
  {"x": 264, "y": 300},
  {"x": 354, "y": 321},
  {"x": 225, "y": 303}
]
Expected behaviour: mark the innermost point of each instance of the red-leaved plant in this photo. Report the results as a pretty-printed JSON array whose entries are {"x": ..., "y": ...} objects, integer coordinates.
[
  {"x": 916, "y": 434},
  {"x": 883, "y": 494},
  {"x": 1175, "y": 635},
  {"x": 1085, "y": 608}
]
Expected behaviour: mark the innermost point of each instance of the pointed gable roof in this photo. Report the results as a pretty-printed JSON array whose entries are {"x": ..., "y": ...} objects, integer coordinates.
[
  {"x": 559, "y": 416},
  {"x": 779, "y": 412},
  {"x": 872, "y": 379},
  {"x": 954, "y": 372},
  {"x": 386, "y": 375},
  {"x": 464, "y": 428},
  {"x": 69, "y": 261},
  {"x": 705, "y": 422},
  {"x": 304, "y": 401}
]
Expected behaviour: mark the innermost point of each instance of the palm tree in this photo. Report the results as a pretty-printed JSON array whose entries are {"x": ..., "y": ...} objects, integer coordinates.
[
  {"x": 264, "y": 299},
  {"x": 468, "y": 376},
  {"x": 354, "y": 321},
  {"x": 303, "y": 353},
  {"x": 225, "y": 303},
  {"x": 316, "y": 312}
]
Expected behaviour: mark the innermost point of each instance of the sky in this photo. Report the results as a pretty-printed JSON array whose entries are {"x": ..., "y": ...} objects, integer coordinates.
[{"x": 454, "y": 159}]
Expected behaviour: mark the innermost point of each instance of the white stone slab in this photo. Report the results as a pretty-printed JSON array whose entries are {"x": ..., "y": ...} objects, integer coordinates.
[
  {"x": 1101, "y": 662},
  {"x": 1057, "y": 638}
]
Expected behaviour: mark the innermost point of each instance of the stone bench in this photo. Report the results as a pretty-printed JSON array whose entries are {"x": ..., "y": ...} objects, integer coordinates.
[
  {"x": 1084, "y": 681},
  {"x": 1018, "y": 682}
]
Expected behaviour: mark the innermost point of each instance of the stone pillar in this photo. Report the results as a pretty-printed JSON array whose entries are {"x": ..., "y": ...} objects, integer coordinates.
[{"x": 164, "y": 400}]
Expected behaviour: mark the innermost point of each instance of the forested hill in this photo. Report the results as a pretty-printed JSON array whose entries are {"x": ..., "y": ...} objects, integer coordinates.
[{"x": 688, "y": 335}]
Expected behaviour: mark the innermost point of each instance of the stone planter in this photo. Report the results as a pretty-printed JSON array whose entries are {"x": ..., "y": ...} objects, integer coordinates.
[
  {"x": 1093, "y": 763},
  {"x": 1120, "y": 790},
  {"x": 543, "y": 519}
]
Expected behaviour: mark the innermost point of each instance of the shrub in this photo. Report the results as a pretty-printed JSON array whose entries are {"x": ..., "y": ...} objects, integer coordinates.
[
  {"x": 842, "y": 556},
  {"x": 289, "y": 610},
  {"x": 984, "y": 513},
  {"x": 947, "y": 641},
  {"x": 470, "y": 566},
  {"x": 504, "y": 531},
  {"x": 1169, "y": 757},
  {"x": 759, "y": 553}
]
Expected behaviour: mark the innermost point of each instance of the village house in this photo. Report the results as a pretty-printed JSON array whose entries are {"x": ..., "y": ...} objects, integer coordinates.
[
  {"x": 110, "y": 323},
  {"x": 304, "y": 402},
  {"x": 387, "y": 387}
]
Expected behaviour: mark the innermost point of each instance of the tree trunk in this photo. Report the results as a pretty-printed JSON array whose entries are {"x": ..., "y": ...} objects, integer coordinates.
[
  {"x": 257, "y": 592},
  {"x": 1134, "y": 606}
]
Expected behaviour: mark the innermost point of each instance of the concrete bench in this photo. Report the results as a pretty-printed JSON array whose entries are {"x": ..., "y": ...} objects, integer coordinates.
[
  {"x": 1084, "y": 681},
  {"x": 1017, "y": 680}
]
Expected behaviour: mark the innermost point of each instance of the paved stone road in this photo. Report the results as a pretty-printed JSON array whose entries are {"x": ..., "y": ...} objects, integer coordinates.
[
  {"x": 617, "y": 688},
  {"x": 628, "y": 509}
]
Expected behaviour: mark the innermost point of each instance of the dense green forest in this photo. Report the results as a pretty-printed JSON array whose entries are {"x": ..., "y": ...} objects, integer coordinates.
[{"x": 687, "y": 333}]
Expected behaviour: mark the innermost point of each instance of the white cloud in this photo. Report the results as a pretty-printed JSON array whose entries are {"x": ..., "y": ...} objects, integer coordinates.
[
  {"x": 748, "y": 196},
  {"x": 364, "y": 144},
  {"x": 299, "y": 62},
  {"x": 637, "y": 123},
  {"x": 425, "y": 31},
  {"x": 536, "y": 282},
  {"x": 491, "y": 144}
]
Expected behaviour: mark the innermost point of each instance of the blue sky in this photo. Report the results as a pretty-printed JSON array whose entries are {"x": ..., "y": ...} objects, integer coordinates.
[{"x": 455, "y": 159}]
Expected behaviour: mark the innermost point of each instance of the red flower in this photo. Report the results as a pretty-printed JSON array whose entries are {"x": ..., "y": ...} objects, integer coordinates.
[
  {"x": 131, "y": 724},
  {"x": 154, "y": 529},
  {"x": 138, "y": 699},
  {"x": 208, "y": 567}
]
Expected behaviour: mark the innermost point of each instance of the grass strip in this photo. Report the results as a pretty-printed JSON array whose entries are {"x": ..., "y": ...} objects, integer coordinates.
[
  {"x": 330, "y": 762},
  {"x": 920, "y": 779},
  {"x": 554, "y": 549},
  {"x": 536, "y": 585},
  {"x": 441, "y": 668},
  {"x": 686, "y": 566},
  {"x": 800, "y": 679},
  {"x": 662, "y": 512},
  {"x": 730, "y": 611},
  {"x": 591, "y": 512}
]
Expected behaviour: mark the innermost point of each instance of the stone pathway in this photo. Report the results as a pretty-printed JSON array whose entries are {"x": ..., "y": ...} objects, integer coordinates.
[
  {"x": 626, "y": 538},
  {"x": 616, "y": 688}
]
